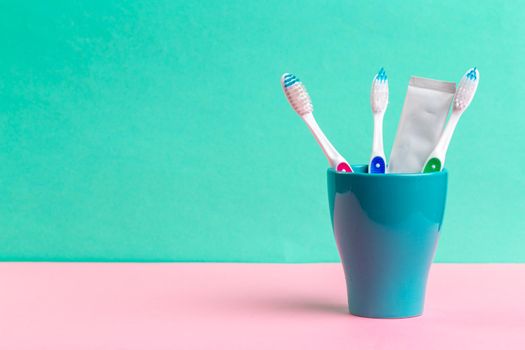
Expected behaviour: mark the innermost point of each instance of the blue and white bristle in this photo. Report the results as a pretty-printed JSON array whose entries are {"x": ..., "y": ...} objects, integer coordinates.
[
  {"x": 472, "y": 74},
  {"x": 466, "y": 89},
  {"x": 290, "y": 79},
  {"x": 381, "y": 75},
  {"x": 379, "y": 94}
]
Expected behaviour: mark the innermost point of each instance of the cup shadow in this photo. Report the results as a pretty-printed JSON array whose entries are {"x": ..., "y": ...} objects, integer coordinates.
[{"x": 299, "y": 305}]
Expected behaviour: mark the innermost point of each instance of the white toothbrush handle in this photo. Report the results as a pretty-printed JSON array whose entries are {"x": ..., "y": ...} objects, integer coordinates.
[
  {"x": 334, "y": 158},
  {"x": 377, "y": 145},
  {"x": 444, "y": 140},
  {"x": 377, "y": 163},
  {"x": 436, "y": 159}
]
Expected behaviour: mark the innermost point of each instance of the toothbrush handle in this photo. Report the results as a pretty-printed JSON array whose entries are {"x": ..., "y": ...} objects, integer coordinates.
[
  {"x": 433, "y": 165},
  {"x": 436, "y": 160},
  {"x": 344, "y": 167},
  {"x": 446, "y": 136},
  {"x": 377, "y": 164},
  {"x": 334, "y": 158},
  {"x": 377, "y": 143}
]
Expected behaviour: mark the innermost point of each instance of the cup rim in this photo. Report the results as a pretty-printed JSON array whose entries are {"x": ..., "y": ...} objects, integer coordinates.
[{"x": 444, "y": 172}]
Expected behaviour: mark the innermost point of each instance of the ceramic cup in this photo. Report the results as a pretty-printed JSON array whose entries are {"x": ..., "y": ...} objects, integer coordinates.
[{"x": 386, "y": 228}]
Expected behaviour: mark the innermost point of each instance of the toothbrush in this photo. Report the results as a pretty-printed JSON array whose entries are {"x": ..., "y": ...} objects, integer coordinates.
[
  {"x": 300, "y": 101},
  {"x": 464, "y": 95},
  {"x": 379, "y": 102}
]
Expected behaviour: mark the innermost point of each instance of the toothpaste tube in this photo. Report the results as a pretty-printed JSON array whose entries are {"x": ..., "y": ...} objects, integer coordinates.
[{"x": 427, "y": 104}]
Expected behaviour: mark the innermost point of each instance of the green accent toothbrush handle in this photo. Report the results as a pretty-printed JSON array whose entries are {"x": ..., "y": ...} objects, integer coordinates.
[{"x": 433, "y": 165}]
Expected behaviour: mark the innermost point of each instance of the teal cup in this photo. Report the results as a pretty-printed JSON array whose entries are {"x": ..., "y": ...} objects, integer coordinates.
[{"x": 386, "y": 227}]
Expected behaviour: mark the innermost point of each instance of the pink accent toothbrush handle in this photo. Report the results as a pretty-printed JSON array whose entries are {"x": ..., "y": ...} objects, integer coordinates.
[{"x": 344, "y": 167}]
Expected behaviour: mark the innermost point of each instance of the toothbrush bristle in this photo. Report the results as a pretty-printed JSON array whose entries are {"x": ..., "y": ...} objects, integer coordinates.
[
  {"x": 379, "y": 94},
  {"x": 381, "y": 76},
  {"x": 290, "y": 79},
  {"x": 296, "y": 94},
  {"x": 472, "y": 74},
  {"x": 466, "y": 89}
]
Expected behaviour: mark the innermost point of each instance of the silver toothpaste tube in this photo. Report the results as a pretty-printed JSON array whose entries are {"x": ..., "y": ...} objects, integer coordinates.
[{"x": 427, "y": 104}]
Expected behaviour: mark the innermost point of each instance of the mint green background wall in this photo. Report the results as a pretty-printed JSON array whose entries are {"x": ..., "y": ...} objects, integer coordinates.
[{"x": 156, "y": 131}]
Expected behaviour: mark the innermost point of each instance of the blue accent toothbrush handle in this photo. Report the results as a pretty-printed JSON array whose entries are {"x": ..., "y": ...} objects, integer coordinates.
[{"x": 377, "y": 165}]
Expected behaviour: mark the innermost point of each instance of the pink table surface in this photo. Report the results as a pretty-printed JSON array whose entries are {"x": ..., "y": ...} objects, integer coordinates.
[{"x": 247, "y": 306}]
